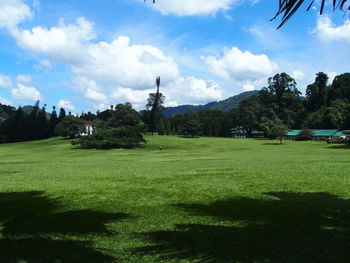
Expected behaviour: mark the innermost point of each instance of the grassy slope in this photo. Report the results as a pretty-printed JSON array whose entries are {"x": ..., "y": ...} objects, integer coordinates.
[{"x": 198, "y": 200}]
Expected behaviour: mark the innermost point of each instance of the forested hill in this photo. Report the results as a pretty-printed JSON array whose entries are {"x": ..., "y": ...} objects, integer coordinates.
[{"x": 225, "y": 105}]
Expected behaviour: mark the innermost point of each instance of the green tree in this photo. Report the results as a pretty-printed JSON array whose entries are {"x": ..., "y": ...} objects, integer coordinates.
[
  {"x": 62, "y": 114},
  {"x": 192, "y": 124},
  {"x": 70, "y": 126},
  {"x": 278, "y": 131},
  {"x": 335, "y": 116},
  {"x": 123, "y": 115},
  {"x": 213, "y": 122},
  {"x": 340, "y": 89},
  {"x": 161, "y": 127},
  {"x": 53, "y": 122},
  {"x": 248, "y": 114},
  {"x": 109, "y": 138},
  {"x": 15, "y": 128},
  {"x": 317, "y": 92},
  {"x": 42, "y": 127},
  {"x": 155, "y": 107}
]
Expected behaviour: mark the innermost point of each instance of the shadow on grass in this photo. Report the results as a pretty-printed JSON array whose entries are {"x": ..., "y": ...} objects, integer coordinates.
[
  {"x": 290, "y": 227},
  {"x": 273, "y": 143},
  {"x": 339, "y": 146},
  {"x": 32, "y": 231}
]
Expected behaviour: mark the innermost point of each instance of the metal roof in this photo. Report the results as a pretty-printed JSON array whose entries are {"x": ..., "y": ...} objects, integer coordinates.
[
  {"x": 324, "y": 132},
  {"x": 293, "y": 132}
]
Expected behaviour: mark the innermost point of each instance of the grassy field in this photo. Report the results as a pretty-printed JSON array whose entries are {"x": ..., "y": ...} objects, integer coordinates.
[{"x": 197, "y": 200}]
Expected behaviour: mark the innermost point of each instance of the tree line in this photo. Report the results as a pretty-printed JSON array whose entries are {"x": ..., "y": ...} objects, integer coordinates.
[
  {"x": 275, "y": 108},
  {"x": 21, "y": 126}
]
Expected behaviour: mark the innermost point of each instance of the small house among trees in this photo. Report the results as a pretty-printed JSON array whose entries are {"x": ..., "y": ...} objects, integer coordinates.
[{"x": 89, "y": 128}]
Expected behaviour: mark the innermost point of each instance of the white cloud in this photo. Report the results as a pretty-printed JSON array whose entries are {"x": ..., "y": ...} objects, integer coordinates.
[
  {"x": 331, "y": 76},
  {"x": 5, "y": 81},
  {"x": 197, "y": 91},
  {"x": 66, "y": 104},
  {"x": 327, "y": 31},
  {"x": 24, "y": 79},
  {"x": 90, "y": 89},
  {"x": 45, "y": 64},
  {"x": 64, "y": 43},
  {"x": 298, "y": 75},
  {"x": 193, "y": 7},
  {"x": 128, "y": 65},
  {"x": 184, "y": 90},
  {"x": 23, "y": 92},
  {"x": 120, "y": 62},
  {"x": 136, "y": 97},
  {"x": 13, "y": 12},
  {"x": 112, "y": 70},
  {"x": 5, "y": 101},
  {"x": 242, "y": 69}
]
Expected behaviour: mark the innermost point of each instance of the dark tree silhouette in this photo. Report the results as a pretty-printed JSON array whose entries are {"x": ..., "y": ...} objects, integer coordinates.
[
  {"x": 287, "y": 8},
  {"x": 154, "y": 104}
]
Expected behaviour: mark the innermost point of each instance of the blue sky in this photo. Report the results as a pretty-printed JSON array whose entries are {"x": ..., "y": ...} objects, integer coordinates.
[{"x": 87, "y": 55}]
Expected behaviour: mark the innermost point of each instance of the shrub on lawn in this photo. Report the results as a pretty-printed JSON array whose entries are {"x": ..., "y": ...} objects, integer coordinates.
[
  {"x": 304, "y": 135},
  {"x": 340, "y": 140},
  {"x": 110, "y": 138}
]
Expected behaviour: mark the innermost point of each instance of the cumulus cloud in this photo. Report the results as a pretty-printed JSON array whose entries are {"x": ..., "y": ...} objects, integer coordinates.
[
  {"x": 107, "y": 71},
  {"x": 328, "y": 31},
  {"x": 197, "y": 91},
  {"x": 193, "y": 7},
  {"x": 120, "y": 62},
  {"x": 64, "y": 43},
  {"x": 183, "y": 90},
  {"x": 128, "y": 65},
  {"x": 90, "y": 89},
  {"x": 5, "y": 81},
  {"x": 298, "y": 75},
  {"x": 331, "y": 76},
  {"x": 66, "y": 104},
  {"x": 243, "y": 69},
  {"x": 13, "y": 12},
  {"x": 23, "y": 92},
  {"x": 24, "y": 79}
]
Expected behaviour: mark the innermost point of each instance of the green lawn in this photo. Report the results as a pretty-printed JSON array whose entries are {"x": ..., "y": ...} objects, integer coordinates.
[{"x": 197, "y": 200}]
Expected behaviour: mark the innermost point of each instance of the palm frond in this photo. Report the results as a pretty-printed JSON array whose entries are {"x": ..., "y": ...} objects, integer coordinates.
[{"x": 287, "y": 8}]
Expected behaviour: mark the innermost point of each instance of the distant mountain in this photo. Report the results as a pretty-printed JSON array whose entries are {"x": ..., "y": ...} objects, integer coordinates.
[
  {"x": 225, "y": 105},
  {"x": 28, "y": 109}
]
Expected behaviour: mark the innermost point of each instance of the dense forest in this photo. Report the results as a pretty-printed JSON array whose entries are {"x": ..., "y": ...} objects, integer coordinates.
[{"x": 280, "y": 104}]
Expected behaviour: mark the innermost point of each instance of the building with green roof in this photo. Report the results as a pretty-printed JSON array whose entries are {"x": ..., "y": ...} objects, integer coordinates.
[
  {"x": 323, "y": 134},
  {"x": 292, "y": 134}
]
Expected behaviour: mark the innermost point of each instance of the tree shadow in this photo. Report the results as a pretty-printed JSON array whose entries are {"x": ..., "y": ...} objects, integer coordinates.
[
  {"x": 339, "y": 146},
  {"x": 273, "y": 143},
  {"x": 289, "y": 227},
  {"x": 32, "y": 231}
]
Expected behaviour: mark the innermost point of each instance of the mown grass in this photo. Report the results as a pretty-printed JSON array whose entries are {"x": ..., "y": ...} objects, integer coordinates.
[{"x": 197, "y": 200}]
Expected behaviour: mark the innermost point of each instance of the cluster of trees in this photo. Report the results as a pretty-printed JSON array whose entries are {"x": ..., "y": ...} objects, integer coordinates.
[
  {"x": 274, "y": 109},
  {"x": 325, "y": 106},
  {"x": 118, "y": 127},
  {"x": 35, "y": 125}
]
